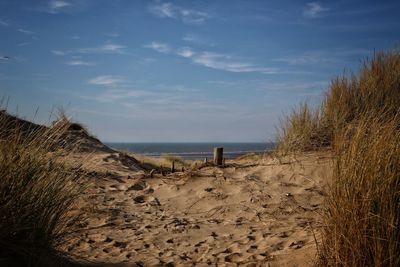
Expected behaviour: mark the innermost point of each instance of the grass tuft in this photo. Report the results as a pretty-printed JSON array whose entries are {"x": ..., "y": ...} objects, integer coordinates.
[{"x": 37, "y": 190}]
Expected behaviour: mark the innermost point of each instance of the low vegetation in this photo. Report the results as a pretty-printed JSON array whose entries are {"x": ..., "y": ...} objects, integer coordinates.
[
  {"x": 37, "y": 191},
  {"x": 359, "y": 119}
]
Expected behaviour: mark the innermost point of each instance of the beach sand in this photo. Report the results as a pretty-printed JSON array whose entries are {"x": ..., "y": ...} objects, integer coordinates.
[{"x": 256, "y": 213}]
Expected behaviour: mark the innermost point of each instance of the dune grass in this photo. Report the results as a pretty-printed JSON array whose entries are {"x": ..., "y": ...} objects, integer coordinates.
[
  {"x": 37, "y": 191},
  {"x": 362, "y": 208},
  {"x": 373, "y": 91},
  {"x": 302, "y": 130},
  {"x": 359, "y": 119}
]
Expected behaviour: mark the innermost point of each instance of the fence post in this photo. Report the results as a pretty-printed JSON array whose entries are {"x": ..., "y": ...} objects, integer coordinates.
[
  {"x": 173, "y": 166},
  {"x": 218, "y": 155}
]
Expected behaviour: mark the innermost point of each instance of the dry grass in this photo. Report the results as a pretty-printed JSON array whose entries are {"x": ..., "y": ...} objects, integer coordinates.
[
  {"x": 375, "y": 90},
  {"x": 359, "y": 119},
  {"x": 302, "y": 130},
  {"x": 37, "y": 191},
  {"x": 362, "y": 216}
]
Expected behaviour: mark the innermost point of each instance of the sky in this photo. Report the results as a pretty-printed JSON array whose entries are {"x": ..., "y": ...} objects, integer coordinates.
[{"x": 182, "y": 71}]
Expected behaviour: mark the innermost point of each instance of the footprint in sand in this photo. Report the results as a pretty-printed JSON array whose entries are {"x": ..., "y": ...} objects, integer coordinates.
[
  {"x": 139, "y": 199},
  {"x": 137, "y": 187}
]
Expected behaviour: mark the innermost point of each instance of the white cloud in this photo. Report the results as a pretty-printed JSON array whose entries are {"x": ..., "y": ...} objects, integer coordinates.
[
  {"x": 193, "y": 16},
  {"x": 187, "y": 16},
  {"x": 185, "y": 52},
  {"x": 211, "y": 60},
  {"x": 164, "y": 10},
  {"x": 223, "y": 62},
  {"x": 106, "y": 80},
  {"x": 109, "y": 48},
  {"x": 80, "y": 63},
  {"x": 25, "y": 31},
  {"x": 106, "y": 48},
  {"x": 159, "y": 47},
  {"x": 56, "y": 6},
  {"x": 314, "y": 10}
]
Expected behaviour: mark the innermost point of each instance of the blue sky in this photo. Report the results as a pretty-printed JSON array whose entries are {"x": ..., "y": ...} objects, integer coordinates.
[{"x": 182, "y": 71}]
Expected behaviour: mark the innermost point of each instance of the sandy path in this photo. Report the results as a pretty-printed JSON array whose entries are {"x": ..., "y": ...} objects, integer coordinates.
[{"x": 262, "y": 215}]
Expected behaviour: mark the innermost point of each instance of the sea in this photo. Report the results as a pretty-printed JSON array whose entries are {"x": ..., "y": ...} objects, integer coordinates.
[{"x": 193, "y": 151}]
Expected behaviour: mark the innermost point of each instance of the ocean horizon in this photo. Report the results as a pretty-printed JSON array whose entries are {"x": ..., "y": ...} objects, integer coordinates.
[{"x": 193, "y": 151}]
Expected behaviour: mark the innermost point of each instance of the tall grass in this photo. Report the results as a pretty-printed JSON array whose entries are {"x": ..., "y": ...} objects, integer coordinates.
[
  {"x": 374, "y": 91},
  {"x": 37, "y": 191},
  {"x": 362, "y": 209},
  {"x": 359, "y": 119},
  {"x": 302, "y": 130}
]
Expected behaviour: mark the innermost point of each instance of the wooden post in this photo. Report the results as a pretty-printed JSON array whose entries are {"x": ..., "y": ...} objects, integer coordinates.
[
  {"x": 218, "y": 155},
  {"x": 205, "y": 160},
  {"x": 173, "y": 166},
  {"x": 162, "y": 171}
]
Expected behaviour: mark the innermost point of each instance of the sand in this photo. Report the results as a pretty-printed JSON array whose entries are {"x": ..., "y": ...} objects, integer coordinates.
[{"x": 257, "y": 213}]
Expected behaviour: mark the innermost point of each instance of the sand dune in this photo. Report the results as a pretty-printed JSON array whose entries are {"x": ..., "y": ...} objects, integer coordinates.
[{"x": 260, "y": 214}]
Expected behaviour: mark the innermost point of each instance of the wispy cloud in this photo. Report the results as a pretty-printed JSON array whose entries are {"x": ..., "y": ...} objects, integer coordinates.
[
  {"x": 221, "y": 62},
  {"x": 321, "y": 56},
  {"x": 4, "y": 23},
  {"x": 211, "y": 60},
  {"x": 58, "y": 52},
  {"x": 80, "y": 63},
  {"x": 26, "y": 31},
  {"x": 302, "y": 86},
  {"x": 106, "y": 80},
  {"x": 307, "y": 58},
  {"x": 109, "y": 48},
  {"x": 187, "y": 16},
  {"x": 4, "y": 58},
  {"x": 197, "y": 40},
  {"x": 23, "y": 44},
  {"x": 159, "y": 47},
  {"x": 113, "y": 95},
  {"x": 164, "y": 10},
  {"x": 185, "y": 52},
  {"x": 314, "y": 10},
  {"x": 56, "y": 6}
]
